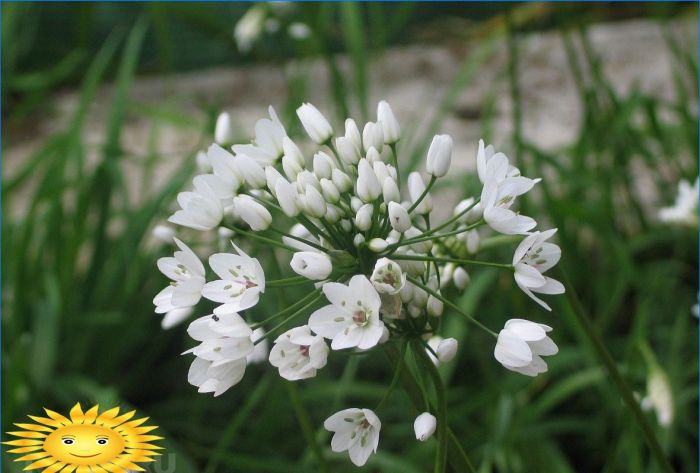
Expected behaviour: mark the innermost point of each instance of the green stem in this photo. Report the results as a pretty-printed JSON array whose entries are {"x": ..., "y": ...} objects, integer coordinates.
[
  {"x": 289, "y": 309},
  {"x": 287, "y": 281},
  {"x": 453, "y": 306},
  {"x": 422, "y": 196},
  {"x": 395, "y": 156},
  {"x": 430, "y": 235},
  {"x": 451, "y": 260},
  {"x": 299, "y": 239},
  {"x": 441, "y": 395},
  {"x": 456, "y": 217},
  {"x": 280, "y": 325},
  {"x": 396, "y": 377},
  {"x": 263, "y": 239},
  {"x": 622, "y": 387},
  {"x": 306, "y": 426}
]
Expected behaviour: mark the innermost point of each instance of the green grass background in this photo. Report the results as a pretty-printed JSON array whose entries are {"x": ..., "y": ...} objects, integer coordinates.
[{"x": 78, "y": 277}]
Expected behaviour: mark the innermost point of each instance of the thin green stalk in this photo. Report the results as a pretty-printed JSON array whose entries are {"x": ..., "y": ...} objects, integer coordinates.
[
  {"x": 453, "y": 306},
  {"x": 299, "y": 239},
  {"x": 280, "y": 325},
  {"x": 306, "y": 426},
  {"x": 289, "y": 309},
  {"x": 263, "y": 239},
  {"x": 457, "y": 217},
  {"x": 617, "y": 378},
  {"x": 451, "y": 260},
  {"x": 441, "y": 395},
  {"x": 431, "y": 236},
  {"x": 396, "y": 377},
  {"x": 422, "y": 196},
  {"x": 395, "y": 157},
  {"x": 294, "y": 280}
]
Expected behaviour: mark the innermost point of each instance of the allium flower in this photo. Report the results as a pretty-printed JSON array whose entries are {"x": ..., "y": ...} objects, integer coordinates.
[
  {"x": 387, "y": 277},
  {"x": 354, "y": 430},
  {"x": 249, "y": 28},
  {"x": 659, "y": 396},
  {"x": 533, "y": 257},
  {"x": 521, "y": 346},
  {"x": 187, "y": 273},
  {"x": 242, "y": 281},
  {"x": 299, "y": 354},
  {"x": 424, "y": 426},
  {"x": 175, "y": 317},
  {"x": 223, "y": 133},
  {"x": 685, "y": 210},
  {"x": 352, "y": 318},
  {"x": 358, "y": 234}
]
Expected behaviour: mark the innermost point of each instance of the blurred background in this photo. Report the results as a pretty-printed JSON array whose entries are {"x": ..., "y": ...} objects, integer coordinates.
[{"x": 105, "y": 107}]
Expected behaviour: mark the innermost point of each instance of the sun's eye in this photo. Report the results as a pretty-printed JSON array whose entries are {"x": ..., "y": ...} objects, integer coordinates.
[
  {"x": 68, "y": 441},
  {"x": 102, "y": 441}
]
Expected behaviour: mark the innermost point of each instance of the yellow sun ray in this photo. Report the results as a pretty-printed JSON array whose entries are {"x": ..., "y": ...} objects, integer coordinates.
[{"x": 85, "y": 442}]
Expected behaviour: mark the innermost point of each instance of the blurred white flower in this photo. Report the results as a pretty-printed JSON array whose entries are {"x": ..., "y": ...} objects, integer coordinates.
[
  {"x": 187, "y": 274},
  {"x": 685, "y": 210},
  {"x": 200, "y": 209},
  {"x": 249, "y": 27},
  {"x": 175, "y": 317},
  {"x": 252, "y": 212},
  {"x": 261, "y": 349},
  {"x": 223, "y": 132},
  {"x": 354, "y": 430},
  {"x": 352, "y": 319},
  {"x": 163, "y": 233},
  {"x": 424, "y": 426},
  {"x": 521, "y": 345},
  {"x": 439, "y": 155},
  {"x": 314, "y": 123},
  {"x": 299, "y": 354},
  {"x": 390, "y": 125},
  {"x": 298, "y": 30},
  {"x": 659, "y": 396},
  {"x": 313, "y": 265}
]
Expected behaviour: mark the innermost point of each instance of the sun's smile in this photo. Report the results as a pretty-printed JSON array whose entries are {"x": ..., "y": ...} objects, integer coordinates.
[{"x": 86, "y": 442}]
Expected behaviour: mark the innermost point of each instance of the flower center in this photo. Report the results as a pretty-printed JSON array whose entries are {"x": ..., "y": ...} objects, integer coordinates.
[
  {"x": 389, "y": 279},
  {"x": 304, "y": 349},
  {"x": 360, "y": 317}
]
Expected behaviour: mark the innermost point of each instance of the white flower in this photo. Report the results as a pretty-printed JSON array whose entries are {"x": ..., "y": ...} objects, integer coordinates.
[
  {"x": 446, "y": 350},
  {"x": 363, "y": 217},
  {"x": 387, "y": 277},
  {"x": 242, "y": 281},
  {"x": 347, "y": 151},
  {"x": 330, "y": 191},
  {"x": 460, "y": 278},
  {"x": 312, "y": 265},
  {"x": 685, "y": 209},
  {"x": 354, "y": 430},
  {"x": 175, "y": 317},
  {"x": 368, "y": 187},
  {"x": 288, "y": 197},
  {"x": 373, "y": 137},
  {"x": 416, "y": 187},
  {"x": 163, "y": 233},
  {"x": 299, "y": 30},
  {"x": 215, "y": 378},
  {"x": 187, "y": 273},
  {"x": 201, "y": 208},
  {"x": 484, "y": 156},
  {"x": 299, "y": 354},
  {"x": 521, "y": 345},
  {"x": 659, "y": 396},
  {"x": 390, "y": 190},
  {"x": 250, "y": 170},
  {"x": 223, "y": 132},
  {"x": 472, "y": 215},
  {"x": 292, "y": 151},
  {"x": 252, "y": 212},
  {"x": 390, "y": 126},
  {"x": 439, "y": 155},
  {"x": 323, "y": 165},
  {"x": 398, "y": 217},
  {"x": 341, "y": 180},
  {"x": 434, "y": 306},
  {"x": 424, "y": 426},
  {"x": 249, "y": 28},
  {"x": 352, "y": 318},
  {"x": 225, "y": 181},
  {"x": 314, "y": 123},
  {"x": 352, "y": 133},
  {"x": 533, "y": 256},
  {"x": 259, "y": 353},
  {"x": 377, "y": 245},
  {"x": 314, "y": 203}
]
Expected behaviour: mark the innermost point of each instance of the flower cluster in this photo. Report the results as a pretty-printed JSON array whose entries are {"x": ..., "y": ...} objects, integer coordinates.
[
  {"x": 684, "y": 211},
  {"x": 363, "y": 242}
]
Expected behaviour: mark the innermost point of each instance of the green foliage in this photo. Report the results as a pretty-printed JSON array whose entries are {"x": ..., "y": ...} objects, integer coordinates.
[{"x": 79, "y": 276}]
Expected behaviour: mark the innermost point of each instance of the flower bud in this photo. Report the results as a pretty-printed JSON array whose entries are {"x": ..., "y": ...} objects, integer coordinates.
[
  {"x": 341, "y": 180},
  {"x": 421, "y": 247},
  {"x": 315, "y": 203},
  {"x": 446, "y": 350},
  {"x": 329, "y": 191},
  {"x": 315, "y": 124},
  {"x": 368, "y": 187},
  {"x": 473, "y": 241},
  {"x": 406, "y": 293},
  {"x": 385, "y": 335},
  {"x": 387, "y": 277},
  {"x": 460, "y": 278},
  {"x": 307, "y": 178},
  {"x": 291, "y": 167},
  {"x": 356, "y": 203},
  {"x": 323, "y": 165},
  {"x": 420, "y": 296},
  {"x": 373, "y": 155},
  {"x": 223, "y": 132},
  {"x": 312, "y": 265},
  {"x": 412, "y": 267},
  {"x": 380, "y": 169},
  {"x": 363, "y": 218},
  {"x": 416, "y": 187},
  {"x": 250, "y": 170},
  {"x": 203, "y": 164},
  {"x": 373, "y": 136},
  {"x": 271, "y": 176},
  {"x": 333, "y": 213},
  {"x": 292, "y": 151},
  {"x": 377, "y": 245},
  {"x": 347, "y": 151},
  {"x": 390, "y": 126},
  {"x": 346, "y": 225},
  {"x": 252, "y": 212},
  {"x": 287, "y": 197},
  {"x": 163, "y": 233},
  {"x": 424, "y": 426},
  {"x": 435, "y": 306},
  {"x": 358, "y": 240},
  {"x": 398, "y": 217},
  {"x": 439, "y": 155},
  {"x": 390, "y": 191},
  {"x": 352, "y": 132},
  {"x": 446, "y": 273},
  {"x": 473, "y": 214}
]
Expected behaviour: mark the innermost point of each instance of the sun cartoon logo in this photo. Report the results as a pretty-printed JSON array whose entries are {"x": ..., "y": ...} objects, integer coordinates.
[{"x": 88, "y": 442}]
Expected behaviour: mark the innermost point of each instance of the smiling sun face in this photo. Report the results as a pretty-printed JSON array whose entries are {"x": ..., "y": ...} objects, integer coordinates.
[{"x": 85, "y": 443}]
